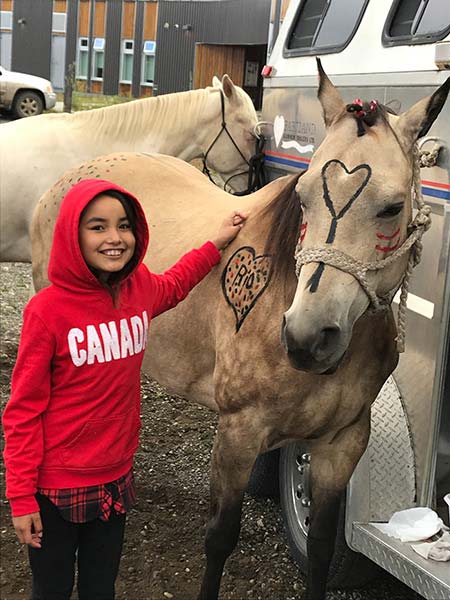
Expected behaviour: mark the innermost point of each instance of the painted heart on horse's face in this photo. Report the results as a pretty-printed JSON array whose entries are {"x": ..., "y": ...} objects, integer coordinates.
[
  {"x": 341, "y": 186},
  {"x": 244, "y": 279},
  {"x": 348, "y": 185}
]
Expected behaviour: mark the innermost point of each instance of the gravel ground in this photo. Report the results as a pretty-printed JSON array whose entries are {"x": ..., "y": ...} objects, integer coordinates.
[{"x": 163, "y": 552}]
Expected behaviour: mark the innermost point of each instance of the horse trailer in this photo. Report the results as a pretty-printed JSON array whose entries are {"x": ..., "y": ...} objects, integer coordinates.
[{"x": 394, "y": 51}]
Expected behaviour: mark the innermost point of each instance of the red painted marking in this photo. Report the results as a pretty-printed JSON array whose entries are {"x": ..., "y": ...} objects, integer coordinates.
[
  {"x": 303, "y": 228},
  {"x": 388, "y": 248},
  {"x": 380, "y": 236}
]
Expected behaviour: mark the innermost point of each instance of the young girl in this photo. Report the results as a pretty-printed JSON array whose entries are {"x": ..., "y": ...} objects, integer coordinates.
[{"x": 72, "y": 422}]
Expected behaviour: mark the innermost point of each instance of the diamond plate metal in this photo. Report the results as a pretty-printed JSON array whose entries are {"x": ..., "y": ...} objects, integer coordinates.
[
  {"x": 429, "y": 578},
  {"x": 391, "y": 456}
]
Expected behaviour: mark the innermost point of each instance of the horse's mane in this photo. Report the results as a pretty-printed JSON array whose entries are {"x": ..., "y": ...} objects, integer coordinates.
[
  {"x": 285, "y": 215},
  {"x": 129, "y": 119}
]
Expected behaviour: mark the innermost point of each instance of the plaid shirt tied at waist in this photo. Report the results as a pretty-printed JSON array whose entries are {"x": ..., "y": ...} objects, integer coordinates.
[{"x": 83, "y": 504}]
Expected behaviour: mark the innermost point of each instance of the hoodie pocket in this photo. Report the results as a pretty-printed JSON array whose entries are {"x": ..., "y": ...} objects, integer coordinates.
[{"x": 103, "y": 442}]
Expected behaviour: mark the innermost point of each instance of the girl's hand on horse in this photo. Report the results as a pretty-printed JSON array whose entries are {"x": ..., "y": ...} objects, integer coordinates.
[
  {"x": 229, "y": 229},
  {"x": 29, "y": 529}
]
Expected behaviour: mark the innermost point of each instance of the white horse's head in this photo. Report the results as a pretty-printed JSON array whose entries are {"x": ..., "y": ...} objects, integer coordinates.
[
  {"x": 230, "y": 138},
  {"x": 357, "y": 212}
]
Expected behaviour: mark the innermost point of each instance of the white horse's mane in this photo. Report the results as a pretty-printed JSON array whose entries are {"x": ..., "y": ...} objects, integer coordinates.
[{"x": 126, "y": 120}]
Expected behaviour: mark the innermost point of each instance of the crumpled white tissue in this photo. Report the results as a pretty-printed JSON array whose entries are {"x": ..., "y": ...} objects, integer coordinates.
[
  {"x": 412, "y": 525},
  {"x": 437, "y": 550}
]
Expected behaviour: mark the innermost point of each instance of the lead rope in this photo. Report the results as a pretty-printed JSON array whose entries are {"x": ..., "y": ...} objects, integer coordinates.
[
  {"x": 422, "y": 222},
  {"x": 359, "y": 270}
]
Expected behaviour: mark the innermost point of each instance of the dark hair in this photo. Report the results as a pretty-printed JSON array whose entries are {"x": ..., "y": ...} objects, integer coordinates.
[
  {"x": 285, "y": 216},
  {"x": 113, "y": 282}
]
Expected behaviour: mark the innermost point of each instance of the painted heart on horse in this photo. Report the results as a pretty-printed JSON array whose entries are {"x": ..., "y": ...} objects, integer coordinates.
[
  {"x": 244, "y": 279},
  {"x": 337, "y": 177}
]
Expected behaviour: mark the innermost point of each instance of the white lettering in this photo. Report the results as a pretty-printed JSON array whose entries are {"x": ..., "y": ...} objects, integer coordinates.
[
  {"x": 145, "y": 318},
  {"x": 94, "y": 345},
  {"x": 78, "y": 357},
  {"x": 110, "y": 340},
  {"x": 137, "y": 329},
  {"x": 126, "y": 341}
]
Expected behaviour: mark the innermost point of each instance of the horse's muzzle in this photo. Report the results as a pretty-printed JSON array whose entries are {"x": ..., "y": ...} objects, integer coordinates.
[{"x": 320, "y": 352}]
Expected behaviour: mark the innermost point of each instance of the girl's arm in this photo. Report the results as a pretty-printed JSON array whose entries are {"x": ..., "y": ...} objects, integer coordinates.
[
  {"x": 22, "y": 418},
  {"x": 174, "y": 284}
]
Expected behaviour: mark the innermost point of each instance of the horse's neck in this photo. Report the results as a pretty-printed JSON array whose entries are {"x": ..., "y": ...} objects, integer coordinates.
[{"x": 169, "y": 124}]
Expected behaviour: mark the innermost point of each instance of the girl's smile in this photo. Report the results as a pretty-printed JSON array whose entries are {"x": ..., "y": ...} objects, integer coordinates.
[{"x": 106, "y": 240}]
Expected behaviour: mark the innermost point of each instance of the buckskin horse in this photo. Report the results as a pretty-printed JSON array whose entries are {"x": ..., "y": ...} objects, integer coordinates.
[
  {"x": 216, "y": 123},
  {"x": 349, "y": 222}
]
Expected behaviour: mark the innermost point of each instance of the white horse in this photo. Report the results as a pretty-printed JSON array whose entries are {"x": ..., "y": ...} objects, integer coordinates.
[{"x": 35, "y": 152}]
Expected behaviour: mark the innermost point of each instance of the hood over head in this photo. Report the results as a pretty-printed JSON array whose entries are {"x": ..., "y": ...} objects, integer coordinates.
[{"x": 67, "y": 267}]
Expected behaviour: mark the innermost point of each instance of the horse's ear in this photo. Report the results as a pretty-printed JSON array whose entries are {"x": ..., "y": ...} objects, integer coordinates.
[
  {"x": 416, "y": 122},
  {"x": 216, "y": 82},
  {"x": 228, "y": 86},
  {"x": 329, "y": 97}
]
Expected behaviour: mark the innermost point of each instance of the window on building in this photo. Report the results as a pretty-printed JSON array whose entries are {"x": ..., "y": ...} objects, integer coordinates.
[
  {"x": 148, "y": 66},
  {"x": 98, "y": 58},
  {"x": 59, "y": 22},
  {"x": 417, "y": 22},
  {"x": 324, "y": 26},
  {"x": 127, "y": 61},
  {"x": 6, "y": 19},
  {"x": 82, "y": 62}
]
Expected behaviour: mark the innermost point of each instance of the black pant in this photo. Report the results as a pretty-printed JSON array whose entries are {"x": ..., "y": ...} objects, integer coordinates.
[{"x": 99, "y": 548}]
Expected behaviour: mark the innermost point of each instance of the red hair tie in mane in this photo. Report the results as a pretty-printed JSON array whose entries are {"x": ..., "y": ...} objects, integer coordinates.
[{"x": 364, "y": 113}]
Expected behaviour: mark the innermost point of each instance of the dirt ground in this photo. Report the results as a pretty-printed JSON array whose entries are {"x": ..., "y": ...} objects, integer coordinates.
[{"x": 163, "y": 553}]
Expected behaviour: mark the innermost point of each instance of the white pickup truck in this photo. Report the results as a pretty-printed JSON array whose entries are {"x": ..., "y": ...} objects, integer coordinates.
[{"x": 25, "y": 95}]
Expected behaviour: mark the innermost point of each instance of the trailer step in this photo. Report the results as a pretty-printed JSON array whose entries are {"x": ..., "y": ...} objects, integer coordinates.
[{"x": 429, "y": 578}]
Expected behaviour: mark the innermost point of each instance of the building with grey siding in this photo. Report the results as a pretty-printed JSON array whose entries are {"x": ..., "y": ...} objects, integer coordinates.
[{"x": 163, "y": 46}]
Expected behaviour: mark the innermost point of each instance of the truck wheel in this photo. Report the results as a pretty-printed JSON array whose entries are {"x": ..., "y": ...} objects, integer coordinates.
[
  {"x": 27, "y": 104},
  {"x": 348, "y": 569},
  {"x": 264, "y": 481}
]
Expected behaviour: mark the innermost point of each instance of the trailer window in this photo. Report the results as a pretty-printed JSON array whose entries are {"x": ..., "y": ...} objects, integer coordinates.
[
  {"x": 324, "y": 26},
  {"x": 416, "y": 22}
]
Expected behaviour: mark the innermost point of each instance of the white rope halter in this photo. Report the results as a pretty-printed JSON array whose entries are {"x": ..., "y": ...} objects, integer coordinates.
[{"x": 412, "y": 245}]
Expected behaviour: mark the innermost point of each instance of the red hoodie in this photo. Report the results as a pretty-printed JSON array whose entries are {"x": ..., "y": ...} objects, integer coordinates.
[{"x": 73, "y": 416}]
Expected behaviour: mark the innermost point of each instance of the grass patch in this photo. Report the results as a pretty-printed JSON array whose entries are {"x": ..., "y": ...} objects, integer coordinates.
[{"x": 82, "y": 101}]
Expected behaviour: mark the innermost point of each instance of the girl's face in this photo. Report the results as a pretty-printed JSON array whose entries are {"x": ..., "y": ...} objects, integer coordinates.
[{"x": 105, "y": 237}]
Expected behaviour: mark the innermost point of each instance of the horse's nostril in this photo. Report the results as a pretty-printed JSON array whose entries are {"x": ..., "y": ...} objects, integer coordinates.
[
  {"x": 328, "y": 338},
  {"x": 312, "y": 344}
]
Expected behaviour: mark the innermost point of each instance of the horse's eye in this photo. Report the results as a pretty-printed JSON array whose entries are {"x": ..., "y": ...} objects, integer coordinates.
[{"x": 390, "y": 211}]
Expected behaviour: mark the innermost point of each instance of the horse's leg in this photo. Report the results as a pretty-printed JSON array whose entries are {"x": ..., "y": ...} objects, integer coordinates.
[
  {"x": 234, "y": 453},
  {"x": 332, "y": 465}
]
